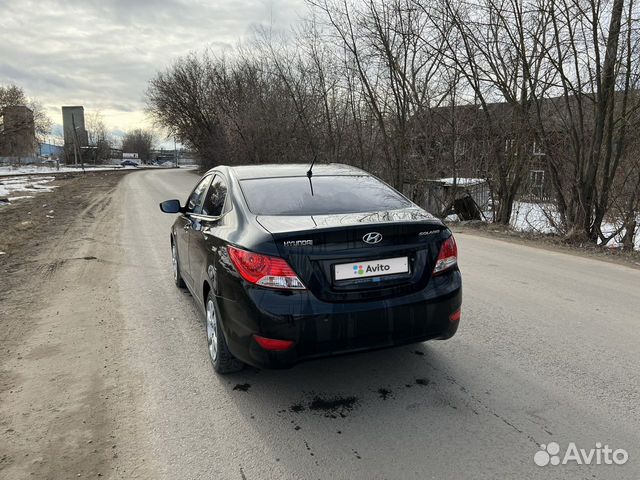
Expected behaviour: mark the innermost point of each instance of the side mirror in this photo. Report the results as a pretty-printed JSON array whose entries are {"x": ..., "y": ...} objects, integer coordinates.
[{"x": 171, "y": 206}]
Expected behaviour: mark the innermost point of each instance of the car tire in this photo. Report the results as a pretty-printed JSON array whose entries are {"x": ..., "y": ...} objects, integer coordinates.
[
  {"x": 222, "y": 359},
  {"x": 175, "y": 260}
]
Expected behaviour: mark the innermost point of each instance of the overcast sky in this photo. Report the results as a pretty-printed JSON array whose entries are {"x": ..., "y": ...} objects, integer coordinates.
[{"x": 101, "y": 53}]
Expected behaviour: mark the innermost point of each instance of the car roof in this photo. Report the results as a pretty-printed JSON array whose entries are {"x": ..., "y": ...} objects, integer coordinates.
[{"x": 244, "y": 172}]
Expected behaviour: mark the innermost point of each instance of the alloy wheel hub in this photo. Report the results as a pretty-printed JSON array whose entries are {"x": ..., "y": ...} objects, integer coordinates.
[
  {"x": 212, "y": 332},
  {"x": 174, "y": 261}
]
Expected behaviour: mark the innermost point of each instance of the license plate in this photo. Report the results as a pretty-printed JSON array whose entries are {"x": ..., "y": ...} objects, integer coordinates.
[{"x": 374, "y": 268}]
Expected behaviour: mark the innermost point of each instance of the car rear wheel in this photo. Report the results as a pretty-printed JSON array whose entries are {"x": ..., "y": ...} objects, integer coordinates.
[
  {"x": 221, "y": 358},
  {"x": 175, "y": 261}
]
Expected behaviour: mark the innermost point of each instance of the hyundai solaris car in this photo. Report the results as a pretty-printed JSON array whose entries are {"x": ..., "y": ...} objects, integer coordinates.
[{"x": 289, "y": 264}]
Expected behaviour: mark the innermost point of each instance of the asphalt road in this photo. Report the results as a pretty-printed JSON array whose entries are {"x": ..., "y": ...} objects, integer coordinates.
[{"x": 548, "y": 350}]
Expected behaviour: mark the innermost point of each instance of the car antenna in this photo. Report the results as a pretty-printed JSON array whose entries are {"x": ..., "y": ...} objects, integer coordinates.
[{"x": 310, "y": 172}]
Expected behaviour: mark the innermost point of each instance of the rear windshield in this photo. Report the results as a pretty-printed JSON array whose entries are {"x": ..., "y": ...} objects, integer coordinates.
[{"x": 331, "y": 194}]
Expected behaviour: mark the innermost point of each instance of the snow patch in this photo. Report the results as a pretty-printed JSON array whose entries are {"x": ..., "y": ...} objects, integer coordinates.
[
  {"x": 42, "y": 169},
  {"x": 13, "y": 199},
  {"x": 12, "y": 185},
  {"x": 534, "y": 217},
  {"x": 461, "y": 181},
  {"x": 541, "y": 217}
]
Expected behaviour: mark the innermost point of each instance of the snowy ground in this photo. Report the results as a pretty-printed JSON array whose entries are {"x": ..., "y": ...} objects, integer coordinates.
[
  {"x": 43, "y": 169},
  {"x": 533, "y": 217},
  {"x": 17, "y": 183},
  {"x": 540, "y": 217},
  {"x": 16, "y": 188},
  {"x": 52, "y": 170},
  {"x": 462, "y": 181}
]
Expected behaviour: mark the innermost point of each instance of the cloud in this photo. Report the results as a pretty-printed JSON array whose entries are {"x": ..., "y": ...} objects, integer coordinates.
[{"x": 101, "y": 53}]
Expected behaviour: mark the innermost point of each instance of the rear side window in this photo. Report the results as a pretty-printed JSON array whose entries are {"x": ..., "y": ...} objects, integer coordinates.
[
  {"x": 214, "y": 202},
  {"x": 331, "y": 194},
  {"x": 194, "y": 205}
]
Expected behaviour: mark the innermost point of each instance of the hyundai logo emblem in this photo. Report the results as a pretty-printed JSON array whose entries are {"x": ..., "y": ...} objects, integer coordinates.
[{"x": 372, "y": 238}]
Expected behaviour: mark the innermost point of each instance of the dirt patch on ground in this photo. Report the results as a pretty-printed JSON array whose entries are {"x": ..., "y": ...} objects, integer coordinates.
[
  {"x": 29, "y": 224},
  {"x": 549, "y": 242}
]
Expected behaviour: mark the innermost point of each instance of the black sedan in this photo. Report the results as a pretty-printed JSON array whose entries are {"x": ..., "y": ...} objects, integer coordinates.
[{"x": 289, "y": 264}]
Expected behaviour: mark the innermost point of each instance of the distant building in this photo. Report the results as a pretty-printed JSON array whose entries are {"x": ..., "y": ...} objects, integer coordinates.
[
  {"x": 18, "y": 133},
  {"x": 73, "y": 116},
  {"x": 50, "y": 150},
  {"x": 442, "y": 195}
]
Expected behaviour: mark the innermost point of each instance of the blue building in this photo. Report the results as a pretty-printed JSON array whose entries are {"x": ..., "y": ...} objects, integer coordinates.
[{"x": 50, "y": 150}]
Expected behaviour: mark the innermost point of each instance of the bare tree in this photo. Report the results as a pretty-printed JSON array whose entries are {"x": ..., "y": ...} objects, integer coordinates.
[
  {"x": 394, "y": 69},
  {"x": 12, "y": 95},
  {"x": 182, "y": 99},
  {"x": 99, "y": 137},
  {"x": 139, "y": 141},
  {"x": 410, "y": 88},
  {"x": 594, "y": 49},
  {"x": 493, "y": 45}
]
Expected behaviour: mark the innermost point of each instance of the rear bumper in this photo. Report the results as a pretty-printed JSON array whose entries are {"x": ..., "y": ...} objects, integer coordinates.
[{"x": 322, "y": 329}]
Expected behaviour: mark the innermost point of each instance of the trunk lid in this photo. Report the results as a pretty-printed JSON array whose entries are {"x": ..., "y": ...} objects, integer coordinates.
[{"x": 315, "y": 244}]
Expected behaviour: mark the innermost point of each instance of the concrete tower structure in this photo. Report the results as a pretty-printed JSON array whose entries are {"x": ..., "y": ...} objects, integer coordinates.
[{"x": 74, "y": 116}]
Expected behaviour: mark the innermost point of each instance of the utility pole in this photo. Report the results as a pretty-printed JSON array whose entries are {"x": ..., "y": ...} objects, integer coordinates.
[
  {"x": 175, "y": 151},
  {"x": 76, "y": 147}
]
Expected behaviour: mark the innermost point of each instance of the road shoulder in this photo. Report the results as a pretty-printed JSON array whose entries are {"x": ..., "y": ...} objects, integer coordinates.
[{"x": 64, "y": 390}]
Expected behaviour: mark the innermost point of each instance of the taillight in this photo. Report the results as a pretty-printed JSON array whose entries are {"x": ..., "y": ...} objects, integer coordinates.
[
  {"x": 448, "y": 256},
  {"x": 272, "y": 344},
  {"x": 264, "y": 270}
]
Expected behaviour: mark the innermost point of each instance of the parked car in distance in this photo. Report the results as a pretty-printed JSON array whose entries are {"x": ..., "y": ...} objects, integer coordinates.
[
  {"x": 289, "y": 265},
  {"x": 128, "y": 163}
]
